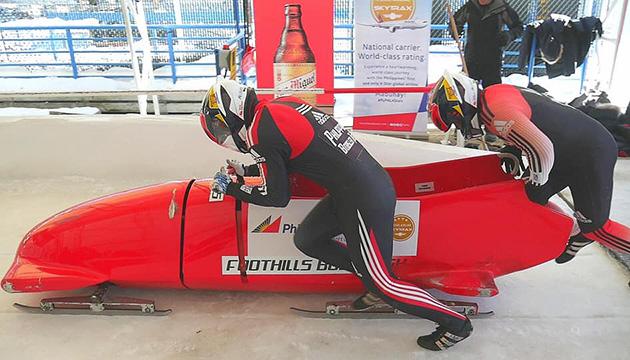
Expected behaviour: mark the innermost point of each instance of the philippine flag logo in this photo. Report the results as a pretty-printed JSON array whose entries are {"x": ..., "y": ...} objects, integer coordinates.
[{"x": 268, "y": 227}]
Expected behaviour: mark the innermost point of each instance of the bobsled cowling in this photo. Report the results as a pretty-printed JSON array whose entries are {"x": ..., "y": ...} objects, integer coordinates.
[{"x": 459, "y": 224}]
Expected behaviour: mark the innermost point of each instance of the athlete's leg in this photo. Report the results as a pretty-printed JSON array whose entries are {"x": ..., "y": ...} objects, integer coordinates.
[
  {"x": 592, "y": 196},
  {"x": 367, "y": 222},
  {"x": 541, "y": 195},
  {"x": 557, "y": 182},
  {"x": 314, "y": 236}
]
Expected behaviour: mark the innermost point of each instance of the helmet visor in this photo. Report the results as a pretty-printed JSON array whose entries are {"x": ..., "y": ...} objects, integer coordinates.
[
  {"x": 434, "y": 113},
  {"x": 216, "y": 127}
]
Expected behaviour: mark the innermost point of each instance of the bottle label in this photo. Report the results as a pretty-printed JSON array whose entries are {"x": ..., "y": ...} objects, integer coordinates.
[{"x": 292, "y": 76}]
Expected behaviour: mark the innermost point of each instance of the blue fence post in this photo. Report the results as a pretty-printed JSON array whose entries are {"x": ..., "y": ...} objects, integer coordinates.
[
  {"x": 216, "y": 62},
  {"x": 533, "y": 15},
  {"x": 583, "y": 72},
  {"x": 52, "y": 44},
  {"x": 155, "y": 43},
  {"x": 241, "y": 42},
  {"x": 532, "y": 60},
  {"x": 73, "y": 62},
  {"x": 237, "y": 20},
  {"x": 171, "y": 54}
]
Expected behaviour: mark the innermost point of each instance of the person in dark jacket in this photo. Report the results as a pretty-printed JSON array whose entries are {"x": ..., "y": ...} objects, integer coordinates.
[
  {"x": 561, "y": 43},
  {"x": 487, "y": 37},
  {"x": 287, "y": 135}
]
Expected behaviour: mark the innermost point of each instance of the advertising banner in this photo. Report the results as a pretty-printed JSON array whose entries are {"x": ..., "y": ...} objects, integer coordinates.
[
  {"x": 270, "y": 231},
  {"x": 392, "y": 50},
  {"x": 294, "y": 46}
]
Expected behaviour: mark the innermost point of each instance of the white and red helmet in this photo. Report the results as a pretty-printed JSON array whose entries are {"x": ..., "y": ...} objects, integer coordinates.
[
  {"x": 453, "y": 101},
  {"x": 226, "y": 113}
]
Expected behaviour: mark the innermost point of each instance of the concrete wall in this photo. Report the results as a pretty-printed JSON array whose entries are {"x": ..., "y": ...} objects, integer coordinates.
[
  {"x": 153, "y": 148},
  {"x": 104, "y": 146}
]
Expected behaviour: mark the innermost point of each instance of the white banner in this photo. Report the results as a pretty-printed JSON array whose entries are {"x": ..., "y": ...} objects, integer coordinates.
[
  {"x": 392, "y": 50},
  {"x": 270, "y": 231}
]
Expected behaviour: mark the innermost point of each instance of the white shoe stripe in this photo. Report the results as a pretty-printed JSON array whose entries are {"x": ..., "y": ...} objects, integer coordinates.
[{"x": 447, "y": 342}]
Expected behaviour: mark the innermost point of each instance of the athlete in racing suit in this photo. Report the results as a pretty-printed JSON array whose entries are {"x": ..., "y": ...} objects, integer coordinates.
[
  {"x": 564, "y": 147},
  {"x": 286, "y": 136}
]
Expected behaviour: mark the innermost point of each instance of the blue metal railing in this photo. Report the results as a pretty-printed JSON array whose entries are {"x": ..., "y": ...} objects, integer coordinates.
[
  {"x": 61, "y": 44},
  {"x": 66, "y": 45},
  {"x": 66, "y": 48}
]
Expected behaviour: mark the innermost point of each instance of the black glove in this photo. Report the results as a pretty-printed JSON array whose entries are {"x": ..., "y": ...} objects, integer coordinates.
[
  {"x": 537, "y": 194},
  {"x": 507, "y": 162},
  {"x": 502, "y": 38}
]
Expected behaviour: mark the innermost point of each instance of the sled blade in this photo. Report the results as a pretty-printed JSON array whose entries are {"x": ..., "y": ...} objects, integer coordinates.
[
  {"x": 324, "y": 314},
  {"x": 95, "y": 304},
  {"x": 381, "y": 310},
  {"x": 87, "y": 311}
]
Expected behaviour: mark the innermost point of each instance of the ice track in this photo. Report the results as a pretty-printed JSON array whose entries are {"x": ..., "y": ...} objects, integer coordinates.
[{"x": 580, "y": 310}]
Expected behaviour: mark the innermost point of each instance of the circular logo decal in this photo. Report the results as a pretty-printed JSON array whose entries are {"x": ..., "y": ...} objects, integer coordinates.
[{"x": 404, "y": 227}]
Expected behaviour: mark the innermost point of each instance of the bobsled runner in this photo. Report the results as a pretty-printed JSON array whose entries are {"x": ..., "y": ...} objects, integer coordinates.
[{"x": 459, "y": 224}]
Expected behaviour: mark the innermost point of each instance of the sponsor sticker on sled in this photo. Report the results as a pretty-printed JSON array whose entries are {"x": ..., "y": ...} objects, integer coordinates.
[
  {"x": 404, "y": 227},
  {"x": 278, "y": 265},
  {"x": 215, "y": 196},
  {"x": 406, "y": 220},
  {"x": 270, "y": 231}
]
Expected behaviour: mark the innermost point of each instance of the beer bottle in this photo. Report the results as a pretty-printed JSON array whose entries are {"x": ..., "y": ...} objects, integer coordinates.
[{"x": 294, "y": 63}]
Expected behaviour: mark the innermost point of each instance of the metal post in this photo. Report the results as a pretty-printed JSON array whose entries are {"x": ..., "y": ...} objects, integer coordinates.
[
  {"x": 171, "y": 55},
  {"x": 247, "y": 19},
  {"x": 75, "y": 72},
  {"x": 532, "y": 60},
  {"x": 216, "y": 62},
  {"x": 177, "y": 8},
  {"x": 132, "y": 49},
  {"x": 533, "y": 15},
  {"x": 241, "y": 42},
  {"x": 52, "y": 44},
  {"x": 147, "y": 60},
  {"x": 617, "y": 40},
  {"x": 584, "y": 64},
  {"x": 236, "y": 15},
  {"x": 144, "y": 79},
  {"x": 155, "y": 45}
]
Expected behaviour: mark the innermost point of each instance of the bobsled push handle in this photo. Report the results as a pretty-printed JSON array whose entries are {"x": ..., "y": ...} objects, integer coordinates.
[
  {"x": 239, "y": 241},
  {"x": 517, "y": 168}
]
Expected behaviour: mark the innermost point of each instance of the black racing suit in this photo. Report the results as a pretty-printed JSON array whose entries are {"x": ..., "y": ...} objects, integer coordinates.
[
  {"x": 486, "y": 38},
  {"x": 564, "y": 147},
  {"x": 290, "y": 136}
]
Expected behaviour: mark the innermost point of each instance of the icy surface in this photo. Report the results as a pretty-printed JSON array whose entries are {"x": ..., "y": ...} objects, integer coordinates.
[
  {"x": 579, "y": 310},
  {"x": 576, "y": 311}
]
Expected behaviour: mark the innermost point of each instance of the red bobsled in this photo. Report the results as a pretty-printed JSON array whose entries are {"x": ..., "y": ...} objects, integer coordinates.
[{"x": 459, "y": 224}]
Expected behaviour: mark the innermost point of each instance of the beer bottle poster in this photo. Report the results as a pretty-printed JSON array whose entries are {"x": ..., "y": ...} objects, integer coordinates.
[
  {"x": 294, "y": 46},
  {"x": 391, "y": 50}
]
